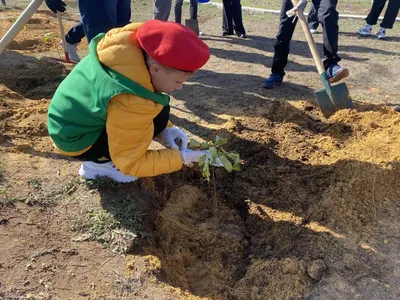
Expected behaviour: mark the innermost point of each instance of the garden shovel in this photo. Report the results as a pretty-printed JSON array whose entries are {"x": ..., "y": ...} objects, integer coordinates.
[
  {"x": 331, "y": 97},
  {"x": 64, "y": 42}
]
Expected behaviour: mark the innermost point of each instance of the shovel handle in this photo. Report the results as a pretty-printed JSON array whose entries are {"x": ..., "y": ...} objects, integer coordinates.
[
  {"x": 310, "y": 40},
  {"x": 64, "y": 41}
]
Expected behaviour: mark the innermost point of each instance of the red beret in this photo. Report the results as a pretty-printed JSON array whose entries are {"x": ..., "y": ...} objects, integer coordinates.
[{"x": 173, "y": 45}]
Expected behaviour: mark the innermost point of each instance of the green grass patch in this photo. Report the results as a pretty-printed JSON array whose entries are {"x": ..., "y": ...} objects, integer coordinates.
[
  {"x": 115, "y": 228},
  {"x": 100, "y": 183}
]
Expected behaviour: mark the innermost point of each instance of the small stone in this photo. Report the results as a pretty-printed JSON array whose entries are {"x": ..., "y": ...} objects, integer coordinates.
[
  {"x": 385, "y": 241},
  {"x": 316, "y": 269}
]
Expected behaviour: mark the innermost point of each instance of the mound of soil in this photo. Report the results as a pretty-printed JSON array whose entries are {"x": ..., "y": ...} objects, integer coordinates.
[{"x": 286, "y": 220}]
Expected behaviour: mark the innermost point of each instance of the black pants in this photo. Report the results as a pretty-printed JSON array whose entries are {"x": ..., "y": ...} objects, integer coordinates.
[
  {"x": 100, "y": 153},
  {"x": 178, "y": 10},
  {"x": 232, "y": 18},
  {"x": 327, "y": 16},
  {"x": 390, "y": 15},
  {"x": 312, "y": 18}
]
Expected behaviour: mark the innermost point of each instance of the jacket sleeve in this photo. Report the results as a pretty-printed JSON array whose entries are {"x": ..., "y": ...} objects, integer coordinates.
[{"x": 130, "y": 132}]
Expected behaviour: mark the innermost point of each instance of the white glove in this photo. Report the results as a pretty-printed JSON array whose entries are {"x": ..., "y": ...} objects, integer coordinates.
[
  {"x": 175, "y": 137},
  {"x": 190, "y": 156},
  {"x": 299, "y": 7}
]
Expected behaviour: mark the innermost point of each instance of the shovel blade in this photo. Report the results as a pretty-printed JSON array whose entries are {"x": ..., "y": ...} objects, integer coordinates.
[
  {"x": 193, "y": 24},
  {"x": 339, "y": 99},
  {"x": 341, "y": 96}
]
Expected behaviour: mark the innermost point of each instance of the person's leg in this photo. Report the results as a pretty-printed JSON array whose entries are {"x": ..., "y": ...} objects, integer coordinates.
[
  {"x": 123, "y": 12},
  {"x": 227, "y": 22},
  {"x": 376, "y": 9},
  {"x": 98, "y": 16},
  {"x": 391, "y": 13},
  {"x": 161, "y": 9},
  {"x": 99, "y": 152},
  {"x": 193, "y": 9},
  {"x": 178, "y": 11},
  {"x": 283, "y": 38},
  {"x": 97, "y": 162},
  {"x": 282, "y": 46},
  {"x": 312, "y": 18},
  {"x": 73, "y": 37},
  {"x": 329, "y": 17},
  {"x": 75, "y": 34},
  {"x": 237, "y": 18}
]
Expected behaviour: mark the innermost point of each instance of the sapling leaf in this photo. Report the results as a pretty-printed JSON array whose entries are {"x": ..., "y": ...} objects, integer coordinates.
[
  {"x": 235, "y": 158},
  {"x": 205, "y": 146},
  {"x": 220, "y": 141},
  {"x": 225, "y": 162},
  {"x": 193, "y": 144},
  {"x": 202, "y": 160},
  {"x": 212, "y": 154}
]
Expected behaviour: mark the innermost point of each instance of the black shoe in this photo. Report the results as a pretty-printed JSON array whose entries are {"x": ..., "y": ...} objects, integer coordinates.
[
  {"x": 225, "y": 33},
  {"x": 241, "y": 35}
]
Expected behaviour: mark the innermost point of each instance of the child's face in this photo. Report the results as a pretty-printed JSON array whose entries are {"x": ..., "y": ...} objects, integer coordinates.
[{"x": 166, "y": 80}]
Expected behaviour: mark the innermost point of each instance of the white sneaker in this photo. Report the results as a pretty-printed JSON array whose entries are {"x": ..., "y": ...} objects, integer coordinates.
[
  {"x": 91, "y": 170},
  {"x": 313, "y": 31},
  {"x": 71, "y": 49},
  {"x": 365, "y": 31},
  {"x": 381, "y": 34}
]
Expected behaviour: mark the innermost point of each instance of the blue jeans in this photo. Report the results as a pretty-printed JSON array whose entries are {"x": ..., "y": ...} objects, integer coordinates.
[{"x": 99, "y": 16}]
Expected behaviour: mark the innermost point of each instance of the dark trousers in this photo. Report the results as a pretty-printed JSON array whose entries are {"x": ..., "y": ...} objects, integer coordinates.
[
  {"x": 232, "y": 18},
  {"x": 75, "y": 34},
  {"x": 312, "y": 18},
  {"x": 178, "y": 10},
  {"x": 327, "y": 16},
  {"x": 99, "y": 16},
  {"x": 100, "y": 153},
  {"x": 390, "y": 15}
]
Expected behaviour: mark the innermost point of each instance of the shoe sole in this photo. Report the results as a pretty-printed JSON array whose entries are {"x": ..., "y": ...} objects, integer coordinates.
[
  {"x": 364, "y": 34},
  {"x": 271, "y": 87},
  {"x": 342, "y": 74}
]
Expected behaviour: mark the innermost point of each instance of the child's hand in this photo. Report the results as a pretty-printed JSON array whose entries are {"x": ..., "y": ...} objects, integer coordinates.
[
  {"x": 175, "y": 137},
  {"x": 191, "y": 156}
]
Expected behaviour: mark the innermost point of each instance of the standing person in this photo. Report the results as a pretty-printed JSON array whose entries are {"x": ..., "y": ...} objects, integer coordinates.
[
  {"x": 391, "y": 13},
  {"x": 97, "y": 16},
  {"x": 112, "y": 105},
  {"x": 232, "y": 21},
  {"x": 328, "y": 17},
  {"x": 178, "y": 10},
  {"x": 312, "y": 19},
  {"x": 161, "y": 9}
]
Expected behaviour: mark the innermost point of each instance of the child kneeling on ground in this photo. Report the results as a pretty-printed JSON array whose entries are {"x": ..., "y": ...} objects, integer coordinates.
[{"x": 110, "y": 107}]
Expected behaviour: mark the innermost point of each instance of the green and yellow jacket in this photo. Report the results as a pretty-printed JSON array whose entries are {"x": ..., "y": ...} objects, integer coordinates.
[{"x": 111, "y": 89}]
